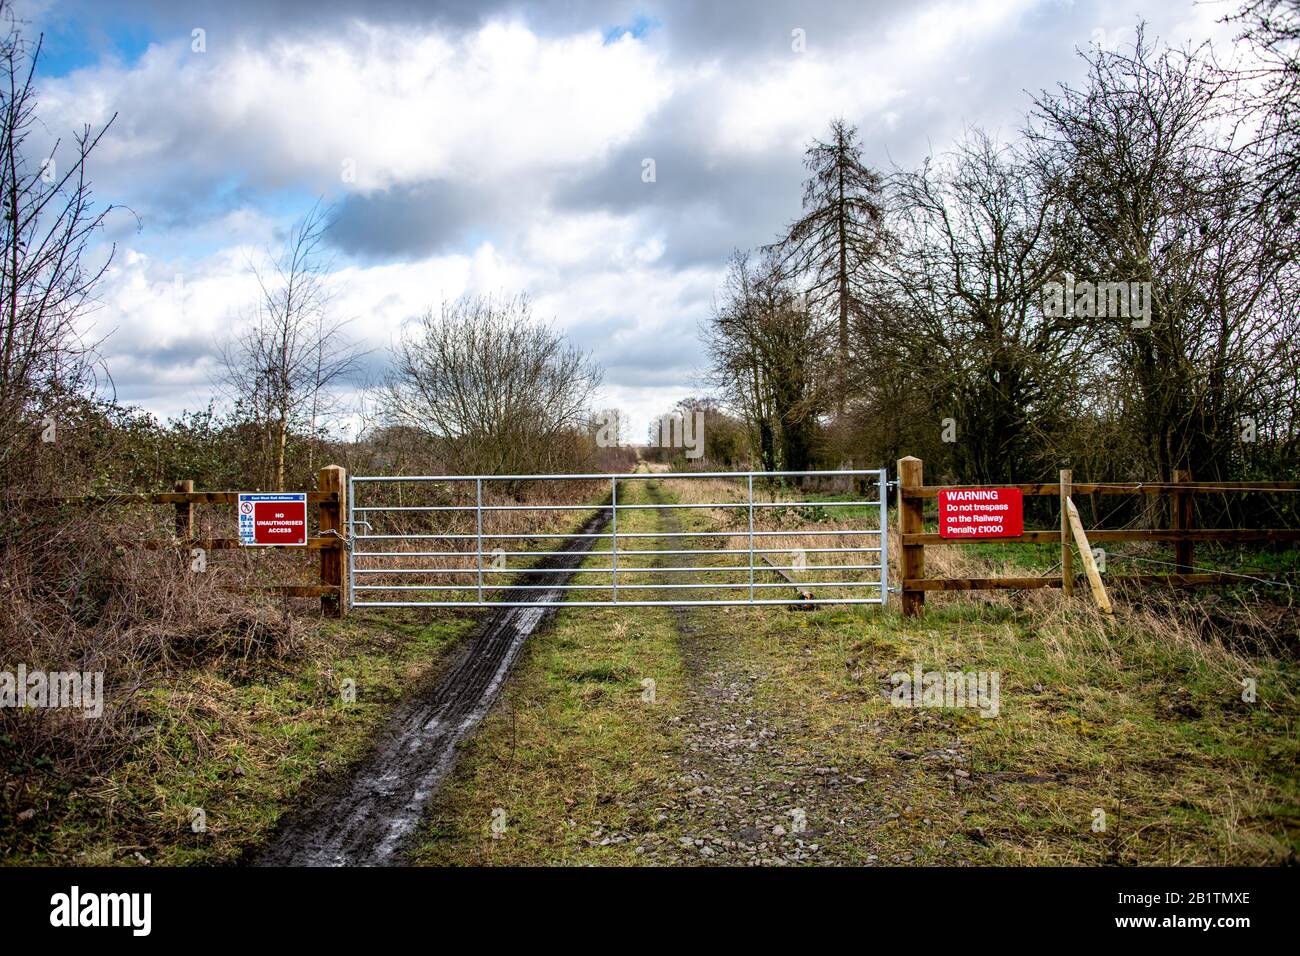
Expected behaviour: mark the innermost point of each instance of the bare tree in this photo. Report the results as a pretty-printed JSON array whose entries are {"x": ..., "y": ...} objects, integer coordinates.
[
  {"x": 493, "y": 388},
  {"x": 281, "y": 367},
  {"x": 975, "y": 249},
  {"x": 46, "y": 285},
  {"x": 722, "y": 438},
  {"x": 1270, "y": 100},
  {"x": 1157, "y": 190},
  {"x": 768, "y": 355}
]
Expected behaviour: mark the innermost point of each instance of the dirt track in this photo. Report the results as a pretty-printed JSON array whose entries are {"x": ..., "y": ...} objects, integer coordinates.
[
  {"x": 366, "y": 820},
  {"x": 744, "y": 794}
]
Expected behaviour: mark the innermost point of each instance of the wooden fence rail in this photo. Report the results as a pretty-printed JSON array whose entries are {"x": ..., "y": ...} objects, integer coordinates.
[
  {"x": 913, "y": 492},
  {"x": 330, "y": 499}
]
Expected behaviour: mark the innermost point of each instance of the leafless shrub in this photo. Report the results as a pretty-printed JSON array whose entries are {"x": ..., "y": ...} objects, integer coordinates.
[
  {"x": 77, "y": 596},
  {"x": 490, "y": 387},
  {"x": 46, "y": 284}
]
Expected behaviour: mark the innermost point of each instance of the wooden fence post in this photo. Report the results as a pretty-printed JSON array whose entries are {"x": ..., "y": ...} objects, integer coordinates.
[
  {"x": 1067, "y": 556},
  {"x": 1181, "y": 514},
  {"x": 333, "y": 478},
  {"x": 184, "y": 512},
  {"x": 911, "y": 521}
]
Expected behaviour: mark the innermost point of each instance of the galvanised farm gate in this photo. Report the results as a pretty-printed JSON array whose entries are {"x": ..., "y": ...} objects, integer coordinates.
[{"x": 729, "y": 538}]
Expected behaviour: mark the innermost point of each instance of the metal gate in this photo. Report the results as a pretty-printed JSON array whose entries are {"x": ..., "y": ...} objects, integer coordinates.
[{"x": 479, "y": 541}]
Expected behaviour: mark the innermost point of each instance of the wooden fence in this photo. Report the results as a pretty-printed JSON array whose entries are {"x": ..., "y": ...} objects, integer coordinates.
[
  {"x": 913, "y": 493},
  {"x": 330, "y": 499}
]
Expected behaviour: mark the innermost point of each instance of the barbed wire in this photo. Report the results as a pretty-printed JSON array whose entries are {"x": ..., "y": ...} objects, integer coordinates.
[{"x": 1102, "y": 520}]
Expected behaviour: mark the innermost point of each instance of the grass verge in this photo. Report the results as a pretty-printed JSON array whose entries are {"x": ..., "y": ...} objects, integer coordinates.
[{"x": 224, "y": 750}]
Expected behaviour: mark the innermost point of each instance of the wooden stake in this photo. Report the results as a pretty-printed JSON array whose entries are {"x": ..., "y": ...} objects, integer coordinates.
[
  {"x": 184, "y": 512},
  {"x": 1181, "y": 515},
  {"x": 1085, "y": 555},
  {"x": 804, "y": 594}
]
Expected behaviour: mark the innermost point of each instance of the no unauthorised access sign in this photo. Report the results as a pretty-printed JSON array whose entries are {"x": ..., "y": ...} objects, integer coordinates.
[
  {"x": 270, "y": 519},
  {"x": 981, "y": 513}
]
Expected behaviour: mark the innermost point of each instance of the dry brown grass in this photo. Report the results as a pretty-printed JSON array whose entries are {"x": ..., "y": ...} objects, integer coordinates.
[
  {"x": 802, "y": 534},
  {"x": 1139, "y": 714},
  {"x": 580, "y": 499},
  {"x": 76, "y": 599}
]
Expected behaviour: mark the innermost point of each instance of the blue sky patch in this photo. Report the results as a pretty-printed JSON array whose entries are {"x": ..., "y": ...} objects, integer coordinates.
[
  {"x": 69, "y": 46},
  {"x": 639, "y": 27}
]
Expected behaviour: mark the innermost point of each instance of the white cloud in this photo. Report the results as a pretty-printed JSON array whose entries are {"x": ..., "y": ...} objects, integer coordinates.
[
  {"x": 493, "y": 105},
  {"x": 168, "y": 326}
]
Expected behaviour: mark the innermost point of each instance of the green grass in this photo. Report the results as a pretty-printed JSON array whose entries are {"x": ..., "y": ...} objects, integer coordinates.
[
  {"x": 1137, "y": 717},
  {"x": 838, "y": 512},
  {"x": 573, "y": 744},
  {"x": 244, "y": 742},
  {"x": 1266, "y": 562},
  {"x": 1153, "y": 734},
  {"x": 1035, "y": 557}
]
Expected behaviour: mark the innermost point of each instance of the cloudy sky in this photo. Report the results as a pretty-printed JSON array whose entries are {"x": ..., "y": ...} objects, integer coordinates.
[{"x": 487, "y": 146}]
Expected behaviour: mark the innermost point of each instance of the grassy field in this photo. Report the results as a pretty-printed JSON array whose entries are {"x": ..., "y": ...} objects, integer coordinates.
[
  {"x": 772, "y": 739},
  {"x": 242, "y": 742},
  {"x": 575, "y": 749}
]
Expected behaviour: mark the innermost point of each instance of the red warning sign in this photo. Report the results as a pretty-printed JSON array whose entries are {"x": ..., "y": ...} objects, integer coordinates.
[{"x": 981, "y": 513}]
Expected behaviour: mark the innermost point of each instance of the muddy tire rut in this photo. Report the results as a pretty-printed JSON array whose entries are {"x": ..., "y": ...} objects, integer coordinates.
[{"x": 367, "y": 819}]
